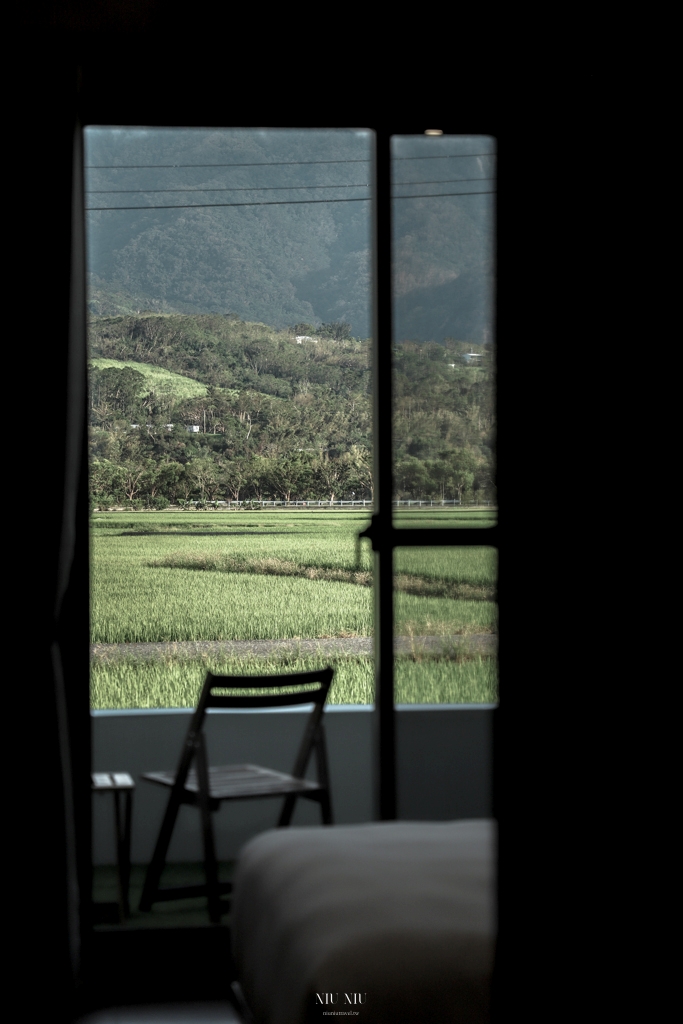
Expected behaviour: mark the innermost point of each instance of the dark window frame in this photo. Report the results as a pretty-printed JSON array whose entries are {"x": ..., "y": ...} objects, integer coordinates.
[
  {"x": 88, "y": 96},
  {"x": 383, "y": 534}
]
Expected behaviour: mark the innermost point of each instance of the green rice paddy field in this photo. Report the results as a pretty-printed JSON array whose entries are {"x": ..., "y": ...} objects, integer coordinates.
[{"x": 189, "y": 576}]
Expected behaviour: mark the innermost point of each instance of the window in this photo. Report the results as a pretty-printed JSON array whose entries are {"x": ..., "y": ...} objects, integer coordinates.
[
  {"x": 230, "y": 405},
  {"x": 215, "y": 381}
]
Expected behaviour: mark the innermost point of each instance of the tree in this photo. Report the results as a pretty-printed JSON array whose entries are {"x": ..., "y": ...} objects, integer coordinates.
[
  {"x": 273, "y": 428},
  {"x": 106, "y": 479},
  {"x": 202, "y": 472},
  {"x": 116, "y": 388},
  {"x": 186, "y": 484},
  {"x": 133, "y": 472},
  {"x": 331, "y": 474},
  {"x": 412, "y": 474},
  {"x": 234, "y": 477},
  {"x": 164, "y": 479},
  {"x": 337, "y": 329},
  {"x": 259, "y": 476},
  {"x": 256, "y": 355},
  {"x": 464, "y": 466},
  {"x": 360, "y": 459},
  {"x": 290, "y": 475},
  {"x": 441, "y": 474}
]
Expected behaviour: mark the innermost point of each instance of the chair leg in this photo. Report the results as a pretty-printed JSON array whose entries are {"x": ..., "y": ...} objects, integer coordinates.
[
  {"x": 160, "y": 850},
  {"x": 326, "y": 808},
  {"x": 287, "y": 811},
  {"x": 123, "y": 823},
  {"x": 323, "y": 777},
  {"x": 127, "y": 828},
  {"x": 210, "y": 863}
]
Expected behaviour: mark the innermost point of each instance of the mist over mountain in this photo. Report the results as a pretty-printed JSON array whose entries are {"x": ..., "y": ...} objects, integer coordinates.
[
  {"x": 460, "y": 309},
  {"x": 284, "y": 255}
]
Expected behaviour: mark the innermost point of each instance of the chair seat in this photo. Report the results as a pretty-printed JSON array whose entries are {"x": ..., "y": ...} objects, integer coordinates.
[{"x": 239, "y": 781}]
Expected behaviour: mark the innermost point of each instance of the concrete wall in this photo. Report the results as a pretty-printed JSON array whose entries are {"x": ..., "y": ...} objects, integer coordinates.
[{"x": 444, "y": 769}]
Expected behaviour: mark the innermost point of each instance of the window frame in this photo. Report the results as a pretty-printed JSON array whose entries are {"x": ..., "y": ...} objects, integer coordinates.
[{"x": 382, "y": 532}]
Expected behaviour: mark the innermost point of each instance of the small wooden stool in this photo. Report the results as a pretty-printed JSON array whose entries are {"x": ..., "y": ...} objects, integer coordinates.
[{"x": 121, "y": 785}]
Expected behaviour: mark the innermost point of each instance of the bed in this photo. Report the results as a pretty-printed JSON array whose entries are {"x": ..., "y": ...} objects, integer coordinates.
[{"x": 376, "y": 923}]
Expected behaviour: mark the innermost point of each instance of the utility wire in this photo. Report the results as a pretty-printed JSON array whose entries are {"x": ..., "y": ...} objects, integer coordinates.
[
  {"x": 274, "y": 163},
  {"x": 441, "y": 181},
  {"x": 264, "y": 163},
  {"x": 446, "y": 156},
  {"x": 203, "y": 206},
  {"x": 239, "y": 188},
  {"x": 440, "y": 195},
  {"x": 280, "y": 202},
  {"x": 264, "y": 188}
]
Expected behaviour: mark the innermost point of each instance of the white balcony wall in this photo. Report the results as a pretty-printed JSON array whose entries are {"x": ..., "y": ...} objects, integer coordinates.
[{"x": 444, "y": 769}]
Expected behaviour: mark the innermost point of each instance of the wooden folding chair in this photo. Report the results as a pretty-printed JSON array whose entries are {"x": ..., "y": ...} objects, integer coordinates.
[{"x": 206, "y": 788}]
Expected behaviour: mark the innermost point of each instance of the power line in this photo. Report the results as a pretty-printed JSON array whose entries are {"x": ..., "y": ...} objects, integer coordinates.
[
  {"x": 239, "y": 188},
  {"x": 203, "y": 206},
  {"x": 275, "y": 163},
  {"x": 263, "y": 163},
  {"x": 282, "y": 202},
  {"x": 440, "y": 195},
  {"x": 264, "y": 188},
  {"x": 447, "y": 156},
  {"x": 446, "y": 181}
]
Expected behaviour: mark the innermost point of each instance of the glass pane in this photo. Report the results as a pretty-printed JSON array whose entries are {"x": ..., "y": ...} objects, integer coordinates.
[
  {"x": 445, "y": 680},
  {"x": 443, "y": 280},
  {"x": 230, "y": 407},
  {"x": 446, "y": 625}
]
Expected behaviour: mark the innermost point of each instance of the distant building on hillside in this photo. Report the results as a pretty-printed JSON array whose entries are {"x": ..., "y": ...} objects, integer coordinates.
[
  {"x": 472, "y": 357},
  {"x": 192, "y": 429},
  {"x": 305, "y": 337}
]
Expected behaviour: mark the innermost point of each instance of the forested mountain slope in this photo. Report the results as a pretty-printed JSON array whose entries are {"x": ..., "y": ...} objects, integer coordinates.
[
  {"x": 274, "y": 418},
  {"x": 274, "y": 226}
]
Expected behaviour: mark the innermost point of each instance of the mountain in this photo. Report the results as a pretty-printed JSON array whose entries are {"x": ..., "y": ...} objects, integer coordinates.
[
  {"x": 274, "y": 226},
  {"x": 461, "y": 309}
]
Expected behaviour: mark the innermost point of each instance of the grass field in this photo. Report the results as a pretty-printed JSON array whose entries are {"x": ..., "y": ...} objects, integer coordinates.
[
  {"x": 162, "y": 381},
  {"x": 176, "y": 681},
  {"x": 279, "y": 575}
]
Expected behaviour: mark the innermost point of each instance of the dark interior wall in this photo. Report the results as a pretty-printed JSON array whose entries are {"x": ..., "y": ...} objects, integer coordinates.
[
  {"x": 48, "y": 583},
  {"x": 76, "y": 64},
  {"x": 117, "y": 63}
]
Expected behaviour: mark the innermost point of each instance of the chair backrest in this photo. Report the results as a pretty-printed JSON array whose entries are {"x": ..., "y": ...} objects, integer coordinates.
[
  {"x": 311, "y": 695},
  {"x": 308, "y": 694}
]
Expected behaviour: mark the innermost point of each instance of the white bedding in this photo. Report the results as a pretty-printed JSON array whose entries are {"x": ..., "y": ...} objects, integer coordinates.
[{"x": 401, "y": 914}]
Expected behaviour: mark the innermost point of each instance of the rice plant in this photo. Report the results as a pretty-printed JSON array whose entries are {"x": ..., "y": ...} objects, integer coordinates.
[
  {"x": 164, "y": 577},
  {"x": 175, "y": 682}
]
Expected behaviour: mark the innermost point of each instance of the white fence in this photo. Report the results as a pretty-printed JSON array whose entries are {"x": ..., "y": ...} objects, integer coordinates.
[
  {"x": 255, "y": 504},
  {"x": 345, "y": 504}
]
